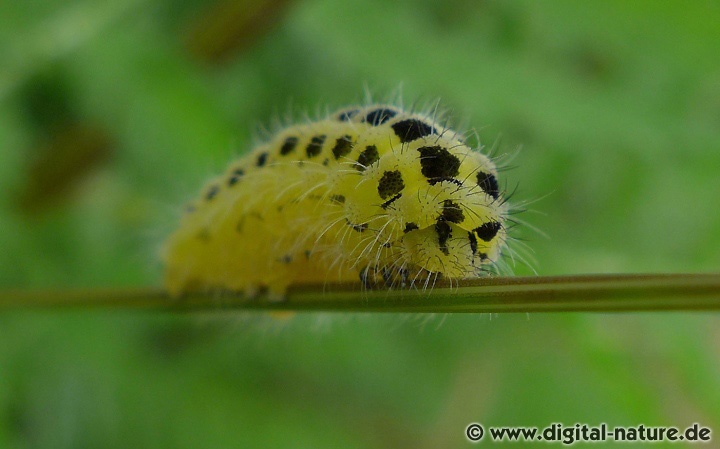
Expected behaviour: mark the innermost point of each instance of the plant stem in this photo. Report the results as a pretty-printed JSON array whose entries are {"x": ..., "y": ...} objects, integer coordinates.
[{"x": 586, "y": 293}]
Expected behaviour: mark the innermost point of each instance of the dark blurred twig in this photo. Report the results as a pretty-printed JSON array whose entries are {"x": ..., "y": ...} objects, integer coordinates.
[{"x": 227, "y": 27}]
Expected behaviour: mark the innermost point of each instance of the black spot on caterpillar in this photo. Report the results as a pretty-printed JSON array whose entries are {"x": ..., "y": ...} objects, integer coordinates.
[
  {"x": 438, "y": 164},
  {"x": 488, "y": 230},
  {"x": 289, "y": 146},
  {"x": 489, "y": 184},
  {"x": 343, "y": 146},
  {"x": 380, "y": 116},
  {"x": 235, "y": 176},
  {"x": 412, "y": 129},
  {"x": 315, "y": 146},
  {"x": 368, "y": 157},
  {"x": 391, "y": 183}
]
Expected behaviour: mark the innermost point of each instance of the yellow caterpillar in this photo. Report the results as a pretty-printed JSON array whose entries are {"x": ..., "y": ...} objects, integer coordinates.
[{"x": 375, "y": 193}]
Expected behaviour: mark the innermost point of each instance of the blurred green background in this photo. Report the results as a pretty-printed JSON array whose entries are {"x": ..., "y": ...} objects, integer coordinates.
[{"x": 113, "y": 113}]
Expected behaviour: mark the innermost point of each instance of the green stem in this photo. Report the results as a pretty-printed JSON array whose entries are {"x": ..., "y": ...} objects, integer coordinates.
[{"x": 587, "y": 293}]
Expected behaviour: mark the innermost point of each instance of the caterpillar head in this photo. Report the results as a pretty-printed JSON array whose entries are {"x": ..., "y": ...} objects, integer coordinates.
[{"x": 428, "y": 201}]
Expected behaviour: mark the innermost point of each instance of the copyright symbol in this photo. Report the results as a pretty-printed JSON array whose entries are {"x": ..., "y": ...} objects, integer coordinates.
[{"x": 474, "y": 432}]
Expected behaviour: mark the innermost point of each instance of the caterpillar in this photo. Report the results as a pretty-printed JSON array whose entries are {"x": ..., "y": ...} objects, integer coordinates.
[{"x": 376, "y": 193}]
